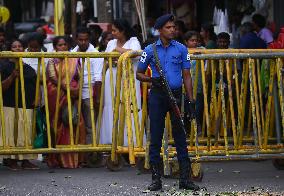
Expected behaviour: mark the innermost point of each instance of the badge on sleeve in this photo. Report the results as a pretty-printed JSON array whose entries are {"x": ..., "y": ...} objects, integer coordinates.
[
  {"x": 143, "y": 57},
  {"x": 188, "y": 57}
]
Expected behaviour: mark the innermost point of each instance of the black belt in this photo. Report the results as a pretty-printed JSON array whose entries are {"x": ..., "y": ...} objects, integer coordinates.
[{"x": 175, "y": 91}]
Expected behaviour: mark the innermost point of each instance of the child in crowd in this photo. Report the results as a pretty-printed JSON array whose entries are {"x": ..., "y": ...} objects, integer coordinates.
[
  {"x": 192, "y": 40},
  {"x": 223, "y": 40}
]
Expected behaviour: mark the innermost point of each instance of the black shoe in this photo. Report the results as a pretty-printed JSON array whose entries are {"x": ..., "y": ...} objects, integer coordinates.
[
  {"x": 188, "y": 185},
  {"x": 156, "y": 178},
  {"x": 155, "y": 185},
  {"x": 184, "y": 182}
]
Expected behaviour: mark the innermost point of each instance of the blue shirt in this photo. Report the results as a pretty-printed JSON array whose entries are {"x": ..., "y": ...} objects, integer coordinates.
[
  {"x": 173, "y": 60},
  {"x": 251, "y": 41}
]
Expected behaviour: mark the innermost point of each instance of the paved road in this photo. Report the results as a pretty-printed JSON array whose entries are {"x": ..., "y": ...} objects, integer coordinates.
[{"x": 220, "y": 177}]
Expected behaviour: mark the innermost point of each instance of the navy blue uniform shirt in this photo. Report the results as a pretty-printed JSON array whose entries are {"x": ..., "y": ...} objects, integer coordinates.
[
  {"x": 173, "y": 60},
  {"x": 251, "y": 41}
]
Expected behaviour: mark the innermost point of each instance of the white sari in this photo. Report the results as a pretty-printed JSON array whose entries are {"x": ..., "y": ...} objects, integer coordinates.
[{"x": 107, "y": 117}]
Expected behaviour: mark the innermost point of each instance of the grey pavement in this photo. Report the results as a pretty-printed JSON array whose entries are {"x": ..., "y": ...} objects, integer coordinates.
[{"x": 225, "y": 178}]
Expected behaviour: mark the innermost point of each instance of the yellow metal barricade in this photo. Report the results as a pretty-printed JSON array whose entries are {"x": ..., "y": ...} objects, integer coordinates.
[
  {"x": 51, "y": 127},
  {"x": 239, "y": 119},
  {"x": 238, "y": 116}
]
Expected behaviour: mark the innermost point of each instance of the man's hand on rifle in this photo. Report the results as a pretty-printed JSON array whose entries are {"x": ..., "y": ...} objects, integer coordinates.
[
  {"x": 156, "y": 82},
  {"x": 191, "y": 110}
]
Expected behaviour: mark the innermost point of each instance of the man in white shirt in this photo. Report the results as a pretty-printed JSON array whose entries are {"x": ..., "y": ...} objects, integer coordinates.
[{"x": 96, "y": 66}]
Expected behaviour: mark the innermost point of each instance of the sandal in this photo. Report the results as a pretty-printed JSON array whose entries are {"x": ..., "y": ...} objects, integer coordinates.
[{"x": 28, "y": 165}]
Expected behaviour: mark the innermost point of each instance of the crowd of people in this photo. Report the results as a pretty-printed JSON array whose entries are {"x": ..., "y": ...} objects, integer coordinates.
[
  {"x": 252, "y": 35},
  {"x": 120, "y": 40}
]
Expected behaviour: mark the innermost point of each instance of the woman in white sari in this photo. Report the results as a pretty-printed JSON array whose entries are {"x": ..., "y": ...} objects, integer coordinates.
[{"x": 123, "y": 41}]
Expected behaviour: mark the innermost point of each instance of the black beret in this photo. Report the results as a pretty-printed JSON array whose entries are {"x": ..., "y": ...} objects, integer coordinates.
[{"x": 162, "y": 20}]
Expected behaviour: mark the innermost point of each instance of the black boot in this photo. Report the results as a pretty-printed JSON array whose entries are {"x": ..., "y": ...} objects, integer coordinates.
[
  {"x": 156, "y": 178},
  {"x": 184, "y": 182}
]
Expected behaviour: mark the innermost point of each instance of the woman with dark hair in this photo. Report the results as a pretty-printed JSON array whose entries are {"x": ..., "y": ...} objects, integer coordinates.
[
  {"x": 56, "y": 65},
  {"x": 95, "y": 33},
  {"x": 70, "y": 42},
  {"x": 192, "y": 40},
  {"x": 9, "y": 70},
  {"x": 124, "y": 37},
  {"x": 209, "y": 36},
  {"x": 123, "y": 41},
  {"x": 106, "y": 37}
]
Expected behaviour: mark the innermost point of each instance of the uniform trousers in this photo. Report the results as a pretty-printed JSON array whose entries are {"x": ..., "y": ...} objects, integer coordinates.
[{"x": 159, "y": 105}]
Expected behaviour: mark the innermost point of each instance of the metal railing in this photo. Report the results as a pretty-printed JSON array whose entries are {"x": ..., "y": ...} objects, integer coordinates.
[
  {"x": 237, "y": 124},
  {"x": 41, "y": 79},
  {"x": 238, "y": 121}
]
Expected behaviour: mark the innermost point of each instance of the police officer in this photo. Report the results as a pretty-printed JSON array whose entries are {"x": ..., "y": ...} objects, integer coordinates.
[{"x": 175, "y": 63}]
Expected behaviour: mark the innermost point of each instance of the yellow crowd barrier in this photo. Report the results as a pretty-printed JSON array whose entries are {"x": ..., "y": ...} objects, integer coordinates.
[
  {"x": 41, "y": 79},
  {"x": 239, "y": 121}
]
